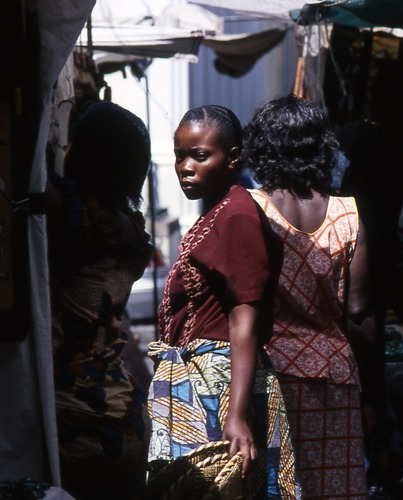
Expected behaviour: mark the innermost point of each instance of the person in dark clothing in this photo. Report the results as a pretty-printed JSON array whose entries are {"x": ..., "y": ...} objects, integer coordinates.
[
  {"x": 373, "y": 179},
  {"x": 97, "y": 248}
]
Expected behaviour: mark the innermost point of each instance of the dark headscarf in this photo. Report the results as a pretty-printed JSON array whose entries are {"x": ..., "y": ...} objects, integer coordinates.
[{"x": 109, "y": 155}]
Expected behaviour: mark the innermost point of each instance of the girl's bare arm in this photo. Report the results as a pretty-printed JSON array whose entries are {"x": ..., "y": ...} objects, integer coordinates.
[{"x": 242, "y": 320}]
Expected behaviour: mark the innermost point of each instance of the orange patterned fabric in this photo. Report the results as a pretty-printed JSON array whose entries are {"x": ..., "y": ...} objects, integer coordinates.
[
  {"x": 327, "y": 435},
  {"x": 307, "y": 337}
]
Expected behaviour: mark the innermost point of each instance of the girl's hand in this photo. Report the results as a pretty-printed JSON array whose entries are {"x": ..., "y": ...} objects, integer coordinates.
[
  {"x": 242, "y": 320},
  {"x": 239, "y": 434}
]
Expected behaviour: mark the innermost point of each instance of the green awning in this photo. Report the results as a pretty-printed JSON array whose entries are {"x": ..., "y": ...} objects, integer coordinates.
[{"x": 358, "y": 13}]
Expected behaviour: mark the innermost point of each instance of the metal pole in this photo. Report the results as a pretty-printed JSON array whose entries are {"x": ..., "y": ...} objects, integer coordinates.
[
  {"x": 151, "y": 203},
  {"x": 90, "y": 44}
]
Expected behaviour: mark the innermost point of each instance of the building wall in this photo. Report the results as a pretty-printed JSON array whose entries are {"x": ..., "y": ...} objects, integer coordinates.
[{"x": 272, "y": 76}]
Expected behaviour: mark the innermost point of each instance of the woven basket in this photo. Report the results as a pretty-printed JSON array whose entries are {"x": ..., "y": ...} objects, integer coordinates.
[{"x": 206, "y": 473}]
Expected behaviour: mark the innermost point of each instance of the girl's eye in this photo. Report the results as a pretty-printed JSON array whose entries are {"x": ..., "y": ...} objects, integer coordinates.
[{"x": 201, "y": 157}]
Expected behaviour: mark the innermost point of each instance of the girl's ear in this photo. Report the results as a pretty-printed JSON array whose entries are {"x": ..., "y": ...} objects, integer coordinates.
[{"x": 234, "y": 157}]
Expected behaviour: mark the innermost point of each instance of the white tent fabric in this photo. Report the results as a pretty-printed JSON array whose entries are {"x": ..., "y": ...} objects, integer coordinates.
[
  {"x": 60, "y": 22},
  {"x": 144, "y": 41},
  {"x": 28, "y": 428},
  {"x": 166, "y": 13},
  {"x": 237, "y": 54},
  {"x": 190, "y": 17},
  {"x": 261, "y": 8},
  {"x": 177, "y": 32},
  {"x": 134, "y": 31}
]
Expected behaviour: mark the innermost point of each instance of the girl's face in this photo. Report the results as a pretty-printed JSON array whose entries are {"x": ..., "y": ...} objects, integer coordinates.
[{"x": 205, "y": 168}]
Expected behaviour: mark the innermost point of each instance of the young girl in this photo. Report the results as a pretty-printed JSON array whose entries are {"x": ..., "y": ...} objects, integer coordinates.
[{"x": 213, "y": 380}]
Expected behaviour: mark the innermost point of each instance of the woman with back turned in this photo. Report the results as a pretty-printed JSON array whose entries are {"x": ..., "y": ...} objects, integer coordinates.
[{"x": 320, "y": 305}]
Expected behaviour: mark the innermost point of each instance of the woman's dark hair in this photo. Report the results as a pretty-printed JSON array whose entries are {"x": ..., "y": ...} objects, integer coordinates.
[
  {"x": 289, "y": 144},
  {"x": 228, "y": 124},
  {"x": 109, "y": 155}
]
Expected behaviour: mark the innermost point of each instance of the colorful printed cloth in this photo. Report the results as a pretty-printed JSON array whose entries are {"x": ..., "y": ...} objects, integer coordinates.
[
  {"x": 102, "y": 429},
  {"x": 99, "y": 408},
  {"x": 312, "y": 357},
  {"x": 188, "y": 405},
  {"x": 308, "y": 340},
  {"x": 97, "y": 396},
  {"x": 326, "y": 429}
]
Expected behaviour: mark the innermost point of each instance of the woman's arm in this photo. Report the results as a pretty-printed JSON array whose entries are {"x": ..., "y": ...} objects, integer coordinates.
[
  {"x": 358, "y": 301},
  {"x": 359, "y": 314},
  {"x": 361, "y": 329},
  {"x": 242, "y": 320}
]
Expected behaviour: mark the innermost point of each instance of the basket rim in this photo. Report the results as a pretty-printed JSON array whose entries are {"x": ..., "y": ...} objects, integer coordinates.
[{"x": 208, "y": 454}]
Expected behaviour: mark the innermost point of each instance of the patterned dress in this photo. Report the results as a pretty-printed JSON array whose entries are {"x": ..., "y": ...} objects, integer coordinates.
[
  {"x": 217, "y": 269},
  {"x": 312, "y": 357},
  {"x": 100, "y": 409}
]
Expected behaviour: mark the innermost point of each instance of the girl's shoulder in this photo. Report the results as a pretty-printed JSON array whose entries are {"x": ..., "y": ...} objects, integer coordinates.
[{"x": 241, "y": 201}]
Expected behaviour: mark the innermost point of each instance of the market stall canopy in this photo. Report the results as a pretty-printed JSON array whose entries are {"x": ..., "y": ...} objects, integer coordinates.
[
  {"x": 121, "y": 34},
  {"x": 131, "y": 30},
  {"x": 124, "y": 30},
  {"x": 355, "y": 13},
  {"x": 144, "y": 41},
  {"x": 274, "y": 9},
  {"x": 237, "y": 54},
  {"x": 358, "y": 13}
]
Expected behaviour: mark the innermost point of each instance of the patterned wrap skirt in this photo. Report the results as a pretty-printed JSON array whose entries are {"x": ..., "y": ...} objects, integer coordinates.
[
  {"x": 326, "y": 429},
  {"x": 188, "y": 405},
  {"x": 102, "y": 428}
]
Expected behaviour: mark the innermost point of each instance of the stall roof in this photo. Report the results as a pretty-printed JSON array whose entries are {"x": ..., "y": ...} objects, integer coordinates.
[
  {"x": 359, "y": 13},
  {"x": 144, "y": 41},
  {"x": 126, "y": 28},
  {"x": 122, "y": 37},
  {"x": 279, "y": 9},
  {"x": 355, "y": 13}
]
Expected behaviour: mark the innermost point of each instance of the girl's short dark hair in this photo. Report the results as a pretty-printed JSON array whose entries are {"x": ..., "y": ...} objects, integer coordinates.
[
  {"x": 228, "y": 124},
  {"x": 289, "y": 144},
  {"x": 109, "y": 155}
]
